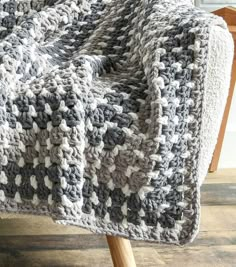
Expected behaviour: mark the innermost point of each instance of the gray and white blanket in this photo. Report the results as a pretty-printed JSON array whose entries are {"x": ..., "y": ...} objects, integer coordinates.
[{"x": 109, "y": 112}]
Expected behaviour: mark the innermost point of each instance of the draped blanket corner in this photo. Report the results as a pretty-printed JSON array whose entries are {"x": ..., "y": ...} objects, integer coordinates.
[{"x": 101, "y": 110}]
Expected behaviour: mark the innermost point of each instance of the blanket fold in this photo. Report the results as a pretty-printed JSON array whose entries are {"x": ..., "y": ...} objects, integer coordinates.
[{"x": 101, "y": 110}]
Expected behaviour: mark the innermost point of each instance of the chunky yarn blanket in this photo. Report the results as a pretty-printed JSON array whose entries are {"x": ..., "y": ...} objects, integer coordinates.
[{"x": 109, "y": 112}]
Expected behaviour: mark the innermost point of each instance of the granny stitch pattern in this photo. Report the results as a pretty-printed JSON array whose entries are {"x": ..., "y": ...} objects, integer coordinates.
[{"x": 100, "y": 113}]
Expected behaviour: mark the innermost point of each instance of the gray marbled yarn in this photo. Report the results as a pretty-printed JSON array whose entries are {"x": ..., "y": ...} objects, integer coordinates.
[{"x": 100, "y": 113}]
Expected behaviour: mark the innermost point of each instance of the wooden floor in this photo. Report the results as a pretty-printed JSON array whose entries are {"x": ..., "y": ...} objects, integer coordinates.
[{"x": 27, "y": 241}]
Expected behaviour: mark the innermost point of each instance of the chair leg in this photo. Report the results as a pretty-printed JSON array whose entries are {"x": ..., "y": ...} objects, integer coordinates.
[{"x": 121, "y": 252}]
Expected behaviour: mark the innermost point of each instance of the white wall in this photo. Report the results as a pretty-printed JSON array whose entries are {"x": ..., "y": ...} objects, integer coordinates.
[{"x": 211, "y": 5}]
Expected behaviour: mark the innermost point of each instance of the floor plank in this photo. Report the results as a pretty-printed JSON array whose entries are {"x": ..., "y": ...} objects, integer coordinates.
[
  {"x": 218, "y": 194},
  {"x": 217, "y": 256},
  {"x": 26, "y": 225},
  {"x": 220, "y": 256},
  {"x": 52, "y": 242},
  {"x": 74, "y": 258},
  {"x": 221, "y": 176},
  {"x": 218, "y": 218},
  {"x": 91, "y": 241}
]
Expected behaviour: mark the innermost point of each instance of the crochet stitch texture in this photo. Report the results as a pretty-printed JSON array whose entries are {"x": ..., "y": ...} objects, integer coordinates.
[{"x": 101, "y": 111}]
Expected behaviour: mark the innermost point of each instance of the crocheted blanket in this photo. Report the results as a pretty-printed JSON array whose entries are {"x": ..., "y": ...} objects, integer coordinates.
[{"x": 101, "y": 111}]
